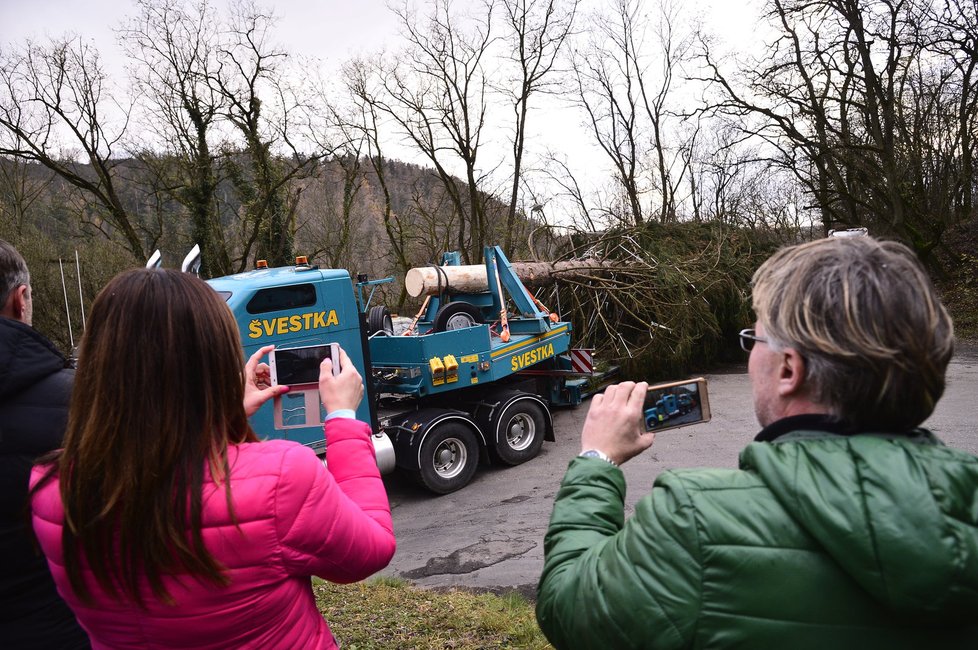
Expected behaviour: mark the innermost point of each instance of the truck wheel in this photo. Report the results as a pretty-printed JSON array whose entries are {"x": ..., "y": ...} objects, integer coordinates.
[
  {"x": 455, "y": 316},
  {"x": 519, "y": 432},
  {"x": 449, "y": 457},
  {"x": 379, "y": 319}
]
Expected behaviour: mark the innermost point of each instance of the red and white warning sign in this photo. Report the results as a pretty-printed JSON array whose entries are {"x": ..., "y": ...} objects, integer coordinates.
[{"x": 582, "y": 360}]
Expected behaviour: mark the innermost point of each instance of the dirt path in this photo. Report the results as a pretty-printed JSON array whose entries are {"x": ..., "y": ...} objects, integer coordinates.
[{"x": 490, "y": 534}]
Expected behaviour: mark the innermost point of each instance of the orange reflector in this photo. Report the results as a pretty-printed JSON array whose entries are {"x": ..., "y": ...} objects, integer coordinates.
[
  {"x": 261, "y": 264},
  {"x": 301, "y": 260}
]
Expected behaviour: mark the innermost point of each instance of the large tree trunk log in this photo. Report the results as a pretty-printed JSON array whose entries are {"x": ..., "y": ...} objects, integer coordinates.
[{"x": 431, "y": 280}]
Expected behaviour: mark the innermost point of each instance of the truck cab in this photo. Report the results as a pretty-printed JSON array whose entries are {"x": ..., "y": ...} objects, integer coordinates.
[
  {"x": 472, "y": 385},
  {"x": 294, "y": 307}
]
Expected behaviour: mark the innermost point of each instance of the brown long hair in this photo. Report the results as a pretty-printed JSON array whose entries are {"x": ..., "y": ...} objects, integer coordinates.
[{"x": 157, "y": 397}]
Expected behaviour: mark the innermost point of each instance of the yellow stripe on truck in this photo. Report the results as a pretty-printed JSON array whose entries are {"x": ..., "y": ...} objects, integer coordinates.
[{"x": 522, "y": 344}]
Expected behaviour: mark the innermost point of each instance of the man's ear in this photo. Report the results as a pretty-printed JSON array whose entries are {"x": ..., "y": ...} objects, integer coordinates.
[
  {"x": 791, "y": 373},
  {"x": 16, "y": 306}
]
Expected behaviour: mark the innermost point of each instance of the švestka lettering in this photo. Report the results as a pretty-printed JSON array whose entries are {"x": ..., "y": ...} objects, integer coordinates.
[
  {"x": 536, "y": 355},
  {"x": 286, "y": 324}
]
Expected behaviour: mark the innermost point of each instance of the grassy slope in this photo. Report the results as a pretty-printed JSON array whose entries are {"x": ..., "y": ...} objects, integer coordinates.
[{"x": 385, "y": 613}]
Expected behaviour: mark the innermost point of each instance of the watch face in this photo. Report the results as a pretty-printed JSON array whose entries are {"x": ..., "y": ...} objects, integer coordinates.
[{"x": 594, "y": 453}]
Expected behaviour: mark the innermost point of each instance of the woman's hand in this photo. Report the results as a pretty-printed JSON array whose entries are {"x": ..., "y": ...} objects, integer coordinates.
[
  {"x": 614, "y": 422},
  {"x": 258, "y": 387},
  {"x": 342, "y": 391}
]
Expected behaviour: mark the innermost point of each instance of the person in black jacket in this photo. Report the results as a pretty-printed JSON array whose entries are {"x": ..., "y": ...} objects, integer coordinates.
[{"x": 35, "y": 384}]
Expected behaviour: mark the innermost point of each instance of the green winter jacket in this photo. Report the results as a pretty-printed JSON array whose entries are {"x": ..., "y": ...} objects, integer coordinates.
[{"x": 818, "y": 541}]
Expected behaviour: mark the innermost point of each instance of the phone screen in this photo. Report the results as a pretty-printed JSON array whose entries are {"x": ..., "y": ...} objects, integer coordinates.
[
  {"x": 293, "y": 366},
  {"x": 676, "y": 404}
]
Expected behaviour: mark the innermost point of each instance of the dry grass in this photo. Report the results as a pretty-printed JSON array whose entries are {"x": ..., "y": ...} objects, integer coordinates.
[{"x": 386, "y": 613}]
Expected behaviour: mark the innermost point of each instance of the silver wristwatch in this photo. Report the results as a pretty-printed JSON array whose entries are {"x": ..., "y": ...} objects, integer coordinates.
[{"x": 594, "y": 453}]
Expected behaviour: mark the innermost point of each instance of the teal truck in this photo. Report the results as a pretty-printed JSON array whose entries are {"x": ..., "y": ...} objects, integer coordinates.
[
  {"x": 668, "y": 406},
  {"x": 473, "y": 379}
]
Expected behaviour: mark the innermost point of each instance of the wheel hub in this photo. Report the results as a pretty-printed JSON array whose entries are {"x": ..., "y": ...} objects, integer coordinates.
[
  {"x": 450, "y": 458},
  {"x": 444, "y": 458},
  {"x": 459, "y": 321},
  {"x": 520, "y": 432}
]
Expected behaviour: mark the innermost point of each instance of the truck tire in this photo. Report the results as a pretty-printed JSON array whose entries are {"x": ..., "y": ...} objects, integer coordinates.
[
  {"x": 449, "y": 458},
  {"x": 379, "y": 320},
  {"x": 455, "y": 316},
  {"x": 519, "y": 432}
]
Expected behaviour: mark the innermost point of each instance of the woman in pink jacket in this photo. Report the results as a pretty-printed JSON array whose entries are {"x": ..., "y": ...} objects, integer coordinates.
[{"x": 165, "y": 522}]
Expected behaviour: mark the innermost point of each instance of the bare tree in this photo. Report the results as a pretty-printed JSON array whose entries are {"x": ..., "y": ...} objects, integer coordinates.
[
  {"x": 365, "y": 121},
  {"x": 871, "y": 106},
  {"x": 435, "y": 91},
  {"x": 56, "y": 109},
  {"x": 606, "y": 91},
  {"x": 266, "y": 112},
  {"x": 625, "y": 83},
  {"x": 339, "y": 224},
  {"x": 674, "y": 49},
  {"x": 173, "y": 48},
  {"x": 536, "y": 31},
  {"x": 432, "y": 234},
  {"x": 955, "y": 40},
  {"x": 569, "y": 190}
]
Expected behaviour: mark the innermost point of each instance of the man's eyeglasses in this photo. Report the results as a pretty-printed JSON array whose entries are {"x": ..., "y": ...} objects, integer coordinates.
[{"x": 748, "y": 337}]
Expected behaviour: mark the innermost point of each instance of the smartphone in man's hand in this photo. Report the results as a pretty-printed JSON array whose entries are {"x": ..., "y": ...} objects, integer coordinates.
[{"x": 676, "y": 404}]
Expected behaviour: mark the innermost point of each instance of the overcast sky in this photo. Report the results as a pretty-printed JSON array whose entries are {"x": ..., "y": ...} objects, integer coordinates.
[
  {"x": 323, "y": 28},
  {"x": 335, "y": 30},
  {"x": 328, "y": 29}
]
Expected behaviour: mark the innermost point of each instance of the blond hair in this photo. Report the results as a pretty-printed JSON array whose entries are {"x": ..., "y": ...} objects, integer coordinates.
[{"x": 867, "y": 319}]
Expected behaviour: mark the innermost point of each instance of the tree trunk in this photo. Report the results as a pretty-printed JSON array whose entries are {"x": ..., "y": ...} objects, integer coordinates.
[{"x": 432, "y": 280}]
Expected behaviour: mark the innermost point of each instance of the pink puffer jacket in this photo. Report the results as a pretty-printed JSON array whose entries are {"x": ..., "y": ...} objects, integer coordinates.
[{"x": 296, "y": 520}]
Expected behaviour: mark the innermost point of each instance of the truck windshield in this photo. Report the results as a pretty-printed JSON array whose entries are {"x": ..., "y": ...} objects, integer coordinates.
[{"x": 282, "y": 298}]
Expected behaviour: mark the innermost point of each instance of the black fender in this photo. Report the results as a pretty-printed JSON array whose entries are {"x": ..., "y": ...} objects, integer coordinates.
[
  {"x": 486, "y": 413},
  {"x": 408, "y": 431}
]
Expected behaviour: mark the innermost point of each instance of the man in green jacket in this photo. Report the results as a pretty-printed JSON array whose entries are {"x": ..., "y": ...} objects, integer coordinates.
[{"x": 846, "y": 526}]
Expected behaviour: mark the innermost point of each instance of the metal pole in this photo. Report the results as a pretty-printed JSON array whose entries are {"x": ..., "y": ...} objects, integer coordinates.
[
  {"x": 81, "y": 300},
  {"x": 64, "y": 290}
]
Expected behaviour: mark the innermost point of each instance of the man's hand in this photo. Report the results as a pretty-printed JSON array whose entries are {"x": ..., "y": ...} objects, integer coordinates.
[
  {"x": 258, "y": 387},
  {"x": 342, "y": 391},
  {"x": 614, "y": 422}
]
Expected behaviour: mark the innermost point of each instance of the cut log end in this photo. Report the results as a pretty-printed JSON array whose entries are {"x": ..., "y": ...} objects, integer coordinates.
[{"x": 431, "y": 280}]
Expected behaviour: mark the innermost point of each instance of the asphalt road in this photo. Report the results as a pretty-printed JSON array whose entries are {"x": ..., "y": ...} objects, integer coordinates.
[{"x": 489, "y": 535}]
